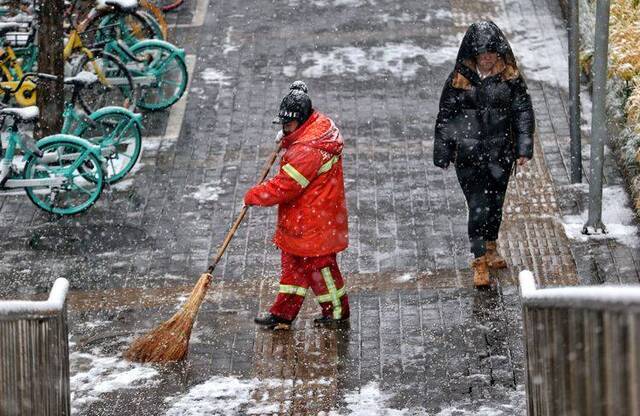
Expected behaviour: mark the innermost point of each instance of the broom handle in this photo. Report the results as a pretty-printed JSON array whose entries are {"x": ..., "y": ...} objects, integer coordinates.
[{"x": 243, "y": 211}]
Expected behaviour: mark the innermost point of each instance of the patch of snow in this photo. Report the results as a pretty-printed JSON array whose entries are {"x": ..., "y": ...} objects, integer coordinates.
[
  {"x": 402, "y": 18},
  {"x": 93, "y": 374},
  {"x": 125, "y": 4},
  {"x": 229, "y": 396},
  {"x": 208, "y": 192},
  {"x": 440, "y": 14},
  {"x": 228, "y": 46},
  {"x": 123, "y": 185},
  {"x": 214, "y": 76},
  {"x": 289, "y": 71},
  {"x": 369, "y": 400},
  {"x": 585, "y": 110},
  {"x": 542, "y": 58},
  {"x": 402, "y": 60},
  {"x": 84, "y": 77},
  {"x": 151, "y": 145},
  {"x": 514, "y": 406},
  {"x": 127, "y": 181},
  {"x": 405, "y": 17},
  {"x": 405, "y": 277},
  {"x": 617, "y": 216},
  {"x": 332, "y": 3}
]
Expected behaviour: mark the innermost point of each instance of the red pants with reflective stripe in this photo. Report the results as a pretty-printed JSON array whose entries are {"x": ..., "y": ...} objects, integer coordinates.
[{"x": 322, "y": 275}]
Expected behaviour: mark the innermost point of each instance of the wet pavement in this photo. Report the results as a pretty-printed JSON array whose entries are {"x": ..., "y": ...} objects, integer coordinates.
[{"x": 421, "y": 339}]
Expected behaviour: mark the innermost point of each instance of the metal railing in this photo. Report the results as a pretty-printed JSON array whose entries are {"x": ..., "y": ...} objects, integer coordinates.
[
  {"x": 582, "y": 349},
  {"x": 34, "y": 355}
]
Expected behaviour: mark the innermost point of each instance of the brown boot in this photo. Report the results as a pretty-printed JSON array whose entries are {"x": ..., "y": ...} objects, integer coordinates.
[
  {"x": 494, "y": 259},
  {"x": 480, "y": 272}
]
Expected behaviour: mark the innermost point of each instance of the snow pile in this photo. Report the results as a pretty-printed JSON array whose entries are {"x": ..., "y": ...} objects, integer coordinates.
[
  {"x": 230, "y": 396},
  {"x": 94, "y": 374},
  {"x": 208, "y": 192},
  {"x": 370, "y": 401},
  {"x": 219, "y": 395},
  {"x": 214, "y": 76},
  {"x": 617, "y": 216},
  {"x": 402, "y": 60}
]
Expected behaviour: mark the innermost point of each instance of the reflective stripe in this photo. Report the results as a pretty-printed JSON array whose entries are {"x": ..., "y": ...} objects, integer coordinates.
[
  {"x": 333, "y": 293},
  {"x": 327, "y": 297},
  {"x": 293, "y": 290},
  {"x": 327, "y": 166},
  {"x": 295, "y": 175}
]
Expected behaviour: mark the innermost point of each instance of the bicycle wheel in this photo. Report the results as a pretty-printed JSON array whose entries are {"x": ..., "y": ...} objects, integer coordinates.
[
  {"x": 120, "y": 138},
  {"x": 167, "y": 67},
  {"x": 116, "y": 86},
  {"x": 158, "y": 15},
  {"x": 83, "y": 175},
  {"x": 129, "y": 27},
  {"x": 159, "y": 27},
  {"x": 167, "y": 5}
]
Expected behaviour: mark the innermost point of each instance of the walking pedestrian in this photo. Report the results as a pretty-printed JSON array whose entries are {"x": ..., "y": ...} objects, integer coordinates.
[
  {"x": 312, "y": 213},
  {"x": 484, "y": 126}
]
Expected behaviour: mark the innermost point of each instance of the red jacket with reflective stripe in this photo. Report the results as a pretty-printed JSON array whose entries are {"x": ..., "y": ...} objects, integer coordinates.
[{"x": 309, "y": 191}]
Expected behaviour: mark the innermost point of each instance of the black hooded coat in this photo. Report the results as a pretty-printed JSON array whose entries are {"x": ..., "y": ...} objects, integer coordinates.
[
  {"x": 482, "y": 127},
  {"x": 486, "y": 121}
]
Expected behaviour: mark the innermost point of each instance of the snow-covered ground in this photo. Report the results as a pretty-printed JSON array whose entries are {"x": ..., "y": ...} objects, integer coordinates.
[
  {"x": 208, "y": 192},
  {"x": 94, "y": 373},
  {"x": 617, "y": 216},
  {"x": 400, "y": 59},
  {"x": 229, "y": 396},
  {"x": 215, "y": 76},
  {"x": 514, "y": 406}
]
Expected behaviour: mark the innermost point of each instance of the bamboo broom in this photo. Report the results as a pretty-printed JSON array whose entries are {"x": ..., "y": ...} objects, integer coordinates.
[{"x": 170, "y": 340}]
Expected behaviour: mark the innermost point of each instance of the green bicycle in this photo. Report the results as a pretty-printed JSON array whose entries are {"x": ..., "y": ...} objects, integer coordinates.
[
  {"x": 158, "y": 68},
  {"x": 62, "y": 174},
  {"x": 115, "y": 129}
]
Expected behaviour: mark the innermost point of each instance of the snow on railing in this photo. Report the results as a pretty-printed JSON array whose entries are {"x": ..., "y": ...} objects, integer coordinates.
[
  {"x": 54, "y": 304},
  {"x": 34, "y": 355},
  {"x": 596, "y": 297},
  {"x": 582, "y": 349}
]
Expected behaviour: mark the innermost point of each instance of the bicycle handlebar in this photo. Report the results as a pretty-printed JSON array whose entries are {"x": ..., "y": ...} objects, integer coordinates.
[{"x": 27, "y": 75}]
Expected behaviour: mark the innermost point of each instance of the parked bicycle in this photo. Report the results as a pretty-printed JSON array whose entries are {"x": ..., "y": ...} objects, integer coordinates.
[
  {"x": 61, "y": 173},
  {"x": 115, "y": 129}
]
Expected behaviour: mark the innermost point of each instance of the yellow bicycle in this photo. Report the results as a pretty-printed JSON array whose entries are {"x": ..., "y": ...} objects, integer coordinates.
[{"x": 116, "y": 86}]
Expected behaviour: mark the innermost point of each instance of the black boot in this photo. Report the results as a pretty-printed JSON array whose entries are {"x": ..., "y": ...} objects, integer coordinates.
[
  {"x": 270, "y": 321},
  {"x": 330, "y": 322}
]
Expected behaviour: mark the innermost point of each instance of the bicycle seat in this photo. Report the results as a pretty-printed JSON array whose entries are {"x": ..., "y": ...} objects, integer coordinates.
[
  {"x": 25, "y": 114},
  {"x": 82, "y": 79},
  {"x": 122, "y": 5},
  {"x": 10, "y": 27}
]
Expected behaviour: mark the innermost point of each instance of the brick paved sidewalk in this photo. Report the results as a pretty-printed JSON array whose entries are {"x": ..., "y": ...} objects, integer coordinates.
[{"x": 421, "y": 338}]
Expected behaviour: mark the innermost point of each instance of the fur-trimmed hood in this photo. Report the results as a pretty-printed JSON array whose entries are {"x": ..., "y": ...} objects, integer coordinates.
[{"x": 480, "y": 37}]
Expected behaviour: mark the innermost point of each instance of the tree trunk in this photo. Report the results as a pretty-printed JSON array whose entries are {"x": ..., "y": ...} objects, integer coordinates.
[{"x": 50, "y": 94}]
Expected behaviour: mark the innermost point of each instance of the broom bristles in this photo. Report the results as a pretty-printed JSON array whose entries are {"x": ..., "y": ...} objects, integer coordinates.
[{"x": 170, "y": 340}]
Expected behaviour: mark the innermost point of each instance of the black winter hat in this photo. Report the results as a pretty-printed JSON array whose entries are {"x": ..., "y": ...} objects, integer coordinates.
[{"x": 296, "y": 105}]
